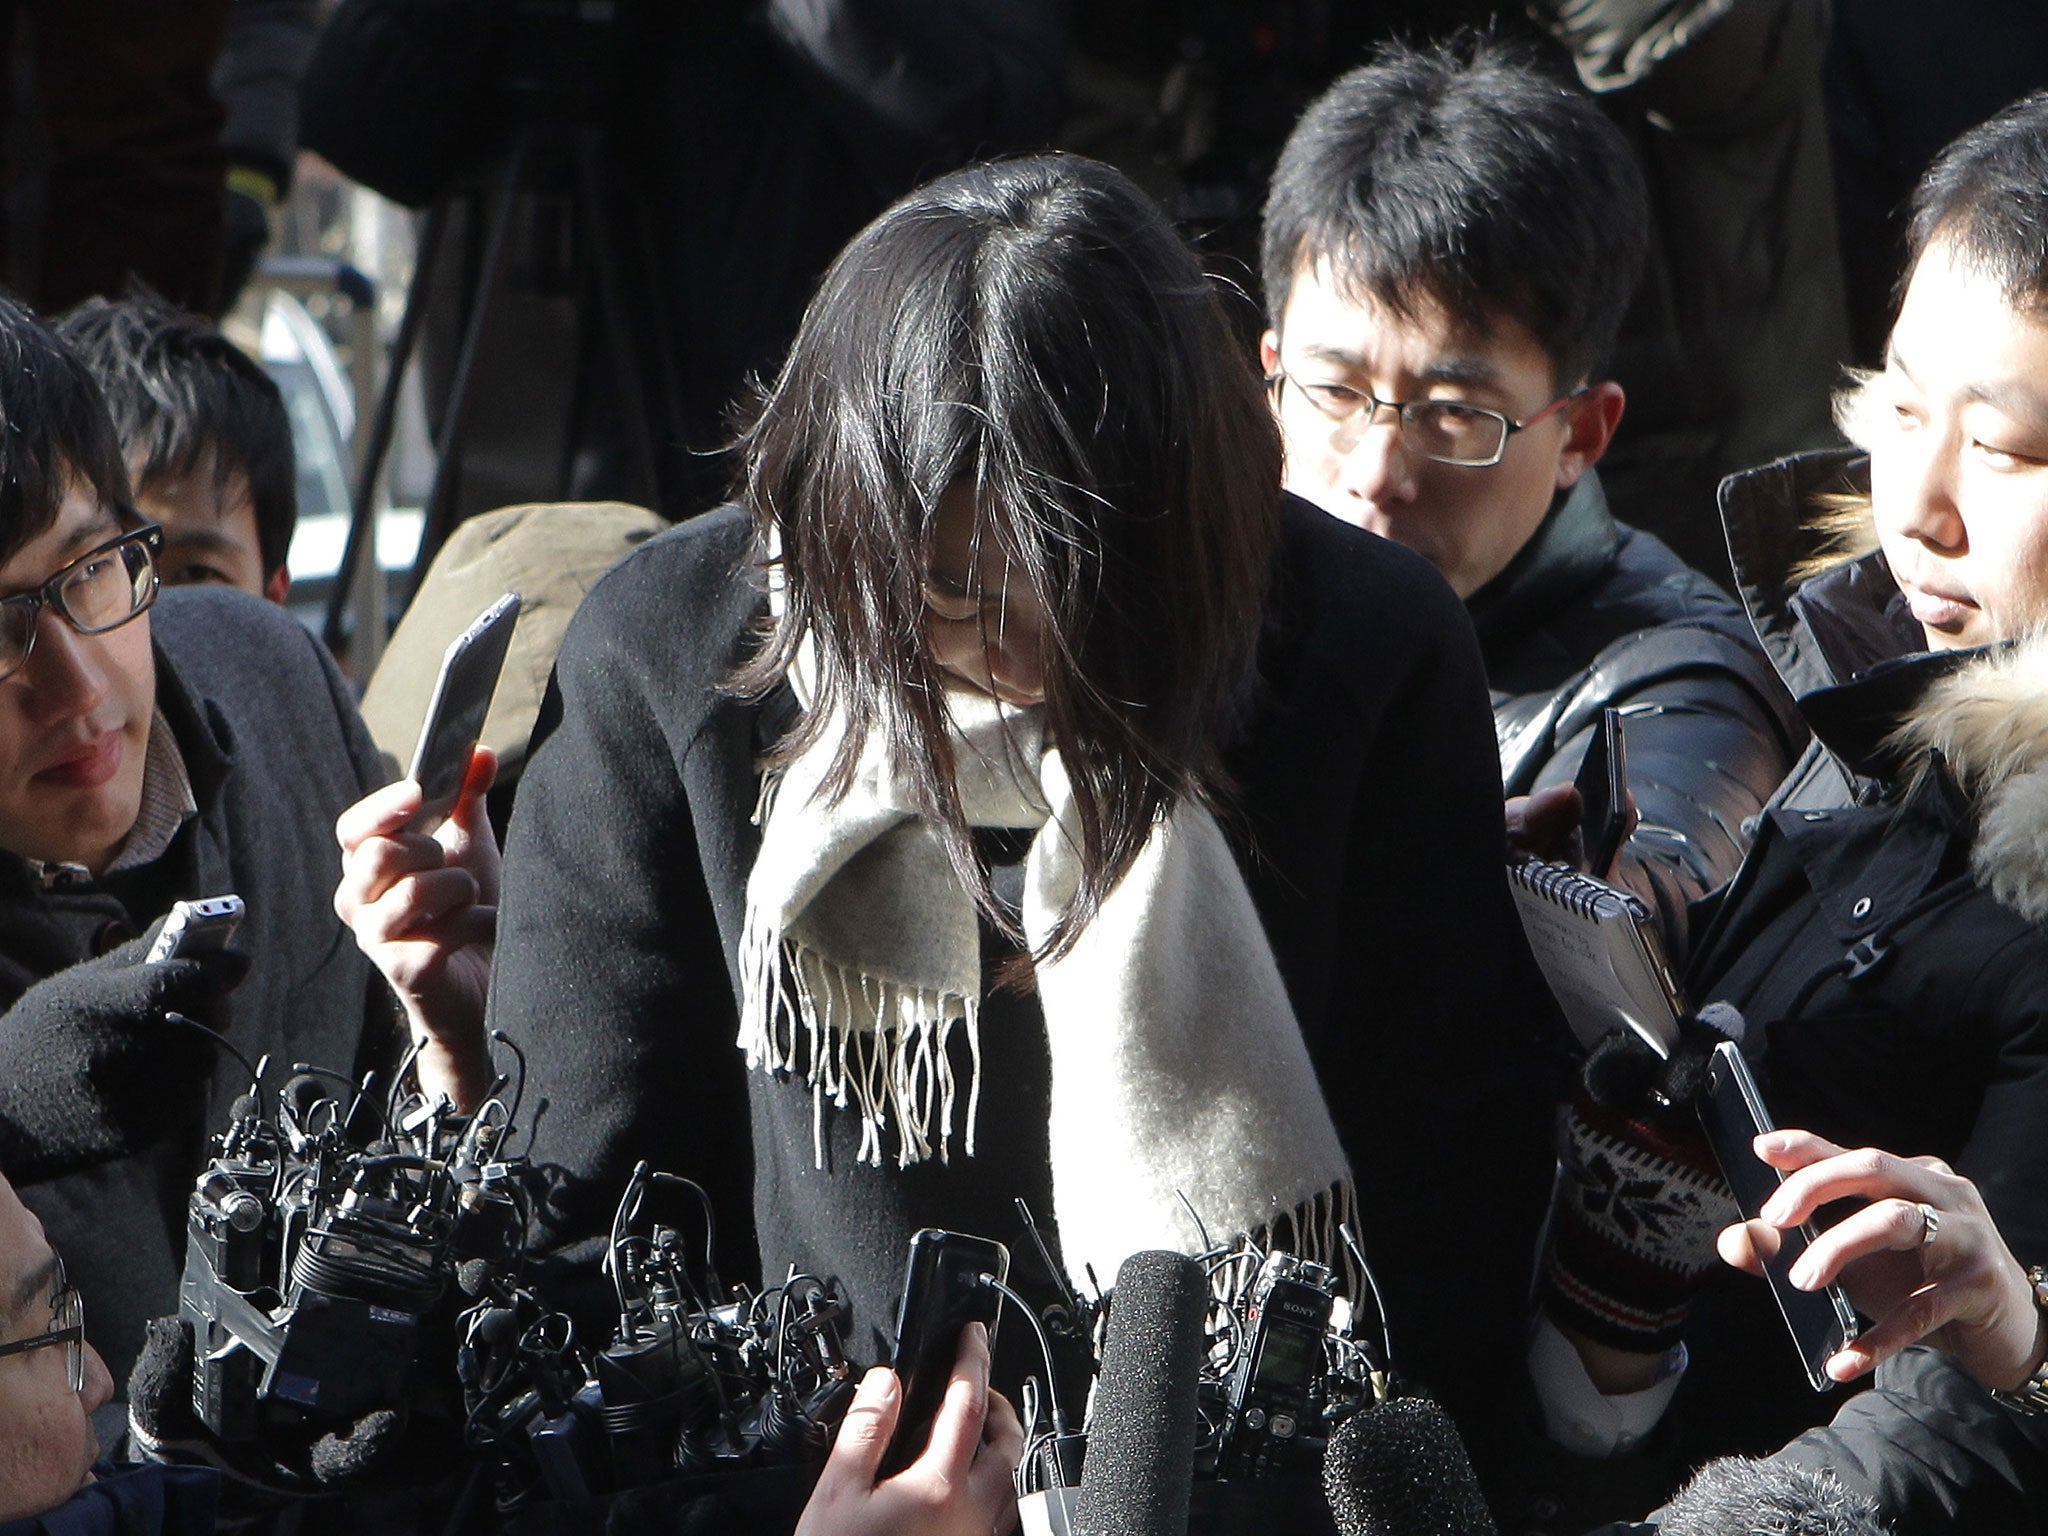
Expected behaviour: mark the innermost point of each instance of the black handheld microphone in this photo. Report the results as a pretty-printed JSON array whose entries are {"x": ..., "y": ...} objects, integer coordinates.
[
  {"x": 1400, "y": 1470},
  {"x": 1140, "y": 1466}
]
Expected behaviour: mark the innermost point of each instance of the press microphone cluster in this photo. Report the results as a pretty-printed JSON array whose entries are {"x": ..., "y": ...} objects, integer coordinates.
[{"x": 1199, "y": 1381}]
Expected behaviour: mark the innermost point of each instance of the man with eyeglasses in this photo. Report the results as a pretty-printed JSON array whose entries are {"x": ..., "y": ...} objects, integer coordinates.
[
  {"x": 1450, "y": 242},
  {"x": 152, "y": 748},
  {"x": 51, "y": 1382}
]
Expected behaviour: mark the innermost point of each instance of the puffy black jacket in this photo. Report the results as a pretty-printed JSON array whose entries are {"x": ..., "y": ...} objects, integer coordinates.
[
  {"x": 1922, "y": 1446},
  {"x": 1592, "y": 613},
  {"x": 1885, "y": 938}
]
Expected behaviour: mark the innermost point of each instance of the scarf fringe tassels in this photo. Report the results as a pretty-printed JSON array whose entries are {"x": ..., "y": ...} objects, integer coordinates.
[
  {"x": 1310, "y": 1231},
  {"x": 861, "y": 1044}
]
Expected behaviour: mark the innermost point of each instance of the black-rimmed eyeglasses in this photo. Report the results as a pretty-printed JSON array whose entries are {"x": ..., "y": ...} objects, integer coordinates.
[
  {"x": 101, "y": 590},
  {"x": 1448, "y": 431},
  {"x": 67, "y": 1313}
]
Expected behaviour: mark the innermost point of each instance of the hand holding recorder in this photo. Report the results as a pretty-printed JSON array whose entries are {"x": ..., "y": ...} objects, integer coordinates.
[
  {"x": 1923, "y": 1259},
  {"x": 90, "y": 1066}
]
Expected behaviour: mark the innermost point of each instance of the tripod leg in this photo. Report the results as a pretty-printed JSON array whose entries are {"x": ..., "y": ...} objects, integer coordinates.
[
  {"x": 383, "y": 426},
  {"x": 628, "y": 351},
  {"x": 440, "y": 513}
]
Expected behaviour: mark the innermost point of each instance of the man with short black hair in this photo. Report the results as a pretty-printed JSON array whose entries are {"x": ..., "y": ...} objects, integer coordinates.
[
  {"x": 150, "y": 751},
  {"x": 1450, "y": 242},
  {"x": 204, "y": 431}
]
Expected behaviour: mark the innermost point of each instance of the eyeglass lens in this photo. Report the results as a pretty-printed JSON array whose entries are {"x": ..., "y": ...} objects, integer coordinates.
[
  {"x": 1456, "y": 434},
  {"x": 102, "y": 592},
  {"x": 1446, "y": 430},
  {"x": 68, "y": 1307}
]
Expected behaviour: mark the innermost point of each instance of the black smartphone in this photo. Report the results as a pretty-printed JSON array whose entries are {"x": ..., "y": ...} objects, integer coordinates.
[
  {"x": 1610, "y": 810},
  {"x": 1732, "y": 1110},
  {"x": 943, "y": 1292},
  {"x": 196, "y": 928},
  {"x": 456, "y": 712}
]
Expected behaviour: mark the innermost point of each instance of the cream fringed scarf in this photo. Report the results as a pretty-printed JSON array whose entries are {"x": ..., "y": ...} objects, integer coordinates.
[{"x": 1178, "y": 1068}]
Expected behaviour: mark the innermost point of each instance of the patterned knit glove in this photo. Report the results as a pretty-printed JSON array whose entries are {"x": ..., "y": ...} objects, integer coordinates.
[
  {"x": 89, "y": 1067},
  {"x": 1639, "y": 1199}
]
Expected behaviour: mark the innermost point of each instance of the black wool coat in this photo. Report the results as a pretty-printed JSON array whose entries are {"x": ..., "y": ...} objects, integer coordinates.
[{"x": 1368, "y": 827}]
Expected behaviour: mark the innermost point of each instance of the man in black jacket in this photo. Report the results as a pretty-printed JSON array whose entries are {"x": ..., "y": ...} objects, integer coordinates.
[{"x": 1450, "y": 242}]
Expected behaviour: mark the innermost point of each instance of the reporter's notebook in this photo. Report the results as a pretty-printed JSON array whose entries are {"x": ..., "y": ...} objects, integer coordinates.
[{"x": 1598, "y": 948}]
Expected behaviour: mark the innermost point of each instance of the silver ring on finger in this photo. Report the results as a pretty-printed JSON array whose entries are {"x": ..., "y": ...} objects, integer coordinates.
[{"x": 1930, "y": 1224}]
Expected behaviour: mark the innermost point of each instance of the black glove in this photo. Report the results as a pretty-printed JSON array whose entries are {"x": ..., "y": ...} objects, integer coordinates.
[
  {"x": 1632, "y": 1229},
  {"x": 278, "y": 1467},
  {"x": 91, "y": 1070}
]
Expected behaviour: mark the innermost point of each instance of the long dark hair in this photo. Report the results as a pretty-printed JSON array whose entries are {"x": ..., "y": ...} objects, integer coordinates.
[{"x": 1036, "y": 329}]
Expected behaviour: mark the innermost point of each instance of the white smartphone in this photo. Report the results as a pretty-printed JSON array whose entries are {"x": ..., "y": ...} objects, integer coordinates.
[
  {"x": 1732, "y": 1110},
  {"x": 456, "y": 712},
  {"x": 196, "y": 928}
]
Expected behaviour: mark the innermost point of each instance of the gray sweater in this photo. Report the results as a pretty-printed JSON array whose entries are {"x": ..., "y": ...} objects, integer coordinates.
[{"x": 275, "y": 750}]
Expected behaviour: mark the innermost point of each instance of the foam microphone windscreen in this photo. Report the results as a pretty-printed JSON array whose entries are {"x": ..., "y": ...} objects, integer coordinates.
[
  {"x": 1140, "y": 1465},
  {"x": 474, "y": 1276},
  {"x": 340, "y": 1458},
  {"x": 1400, "y": 1470},
  {"x": 302, "y": 1092},
  {"x": 1738, "y": 1494}
]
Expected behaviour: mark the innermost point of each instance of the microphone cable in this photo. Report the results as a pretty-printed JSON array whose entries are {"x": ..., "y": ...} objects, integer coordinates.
[{"x": 1032, "y": 1470}]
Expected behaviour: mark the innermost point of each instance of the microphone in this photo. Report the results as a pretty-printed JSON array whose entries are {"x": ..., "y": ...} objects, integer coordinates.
[
  {"x": 1140, "y": 1467},
  {"x": 1736, "y": 1493},
  {"x": 1400, "y": 1470}
]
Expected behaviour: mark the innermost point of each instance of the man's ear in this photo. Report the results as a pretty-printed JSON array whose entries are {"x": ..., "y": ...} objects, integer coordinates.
[
  {"x": 278, "y": 584},
  {"x": 1591, "y": 420},
  {"x": 1269, "y": 352}
]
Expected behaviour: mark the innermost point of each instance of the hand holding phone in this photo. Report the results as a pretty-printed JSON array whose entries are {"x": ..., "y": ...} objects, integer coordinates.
[
  {"x": 1731, "y": 1108},
  {"x": 943, "y": 1291},
  {"x": 960, "y": 1486},
  {"x": 1609, "y": 815},
  {"x": 424, "y": 910},
  {"x": 455, "y": 714},
  {"x": 1922, "y": 1259}
]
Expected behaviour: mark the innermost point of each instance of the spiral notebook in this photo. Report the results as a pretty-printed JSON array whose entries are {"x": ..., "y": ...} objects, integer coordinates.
[{"x": 1598, "y": 948}]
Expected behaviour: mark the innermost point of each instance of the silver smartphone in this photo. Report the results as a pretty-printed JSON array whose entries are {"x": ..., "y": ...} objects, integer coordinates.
[
  {"x": 456, "y": 712},
  {"x": 196, "y": 928},
  {"x": 1732, "y": 1110}
]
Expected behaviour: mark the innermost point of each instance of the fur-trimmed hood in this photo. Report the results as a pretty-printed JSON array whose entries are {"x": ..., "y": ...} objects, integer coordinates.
[
  {"x": 1804, "y": 552},
  {"x": 1989, "y": 721},
  {"x": 1819, "y": 595},
  {"x": 1827, "y": 611}
]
